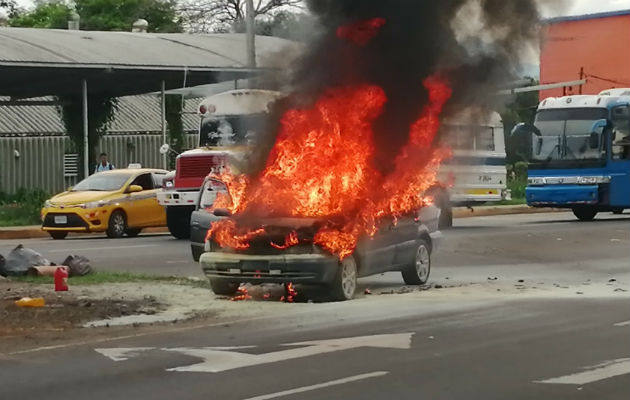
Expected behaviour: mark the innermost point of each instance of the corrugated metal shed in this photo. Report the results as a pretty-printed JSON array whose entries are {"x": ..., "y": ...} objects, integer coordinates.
[
  {"x": 135, "y": 114},
  {"x": 39, "y": 62}
]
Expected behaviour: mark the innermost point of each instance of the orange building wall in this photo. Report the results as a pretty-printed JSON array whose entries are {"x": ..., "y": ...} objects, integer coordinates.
[{"x": 600, "y": 45}]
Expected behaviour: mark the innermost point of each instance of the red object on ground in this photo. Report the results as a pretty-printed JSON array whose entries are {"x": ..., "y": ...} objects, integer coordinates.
[
  {"x": 360, "y": 32},
  {"x": 61, "y": 279}
]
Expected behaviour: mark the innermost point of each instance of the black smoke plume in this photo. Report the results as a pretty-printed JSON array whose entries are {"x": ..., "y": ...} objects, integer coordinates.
[{"x": 475, "y": 44}]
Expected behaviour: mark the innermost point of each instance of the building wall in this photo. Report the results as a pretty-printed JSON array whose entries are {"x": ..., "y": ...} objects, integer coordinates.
[{"x": 600, "y": 45}]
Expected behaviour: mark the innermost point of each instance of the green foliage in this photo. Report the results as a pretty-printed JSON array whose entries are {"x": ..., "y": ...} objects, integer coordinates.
[
  {"x": 119, "y": 15},
  {"x": 283, "y": 24},
  {"x": 517, "y": 179},
  {"x": 521, "y": 109},
  {"x": 52, "y": 14},
  {"x": 175, "y": 125},
  {"x": 101, "y": 15},
  {"x": 100, "y": 113},
  {"x": 22, "y": 208}
]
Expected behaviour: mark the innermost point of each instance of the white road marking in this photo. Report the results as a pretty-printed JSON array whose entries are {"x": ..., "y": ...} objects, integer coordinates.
[
  {"x": 218, "y": 359},
  {"x": 624, "y": 323},
  {"x": 80, "y": 249},
  {"x": 608, "y": 369},
  {"x": 320, "y": 385}
]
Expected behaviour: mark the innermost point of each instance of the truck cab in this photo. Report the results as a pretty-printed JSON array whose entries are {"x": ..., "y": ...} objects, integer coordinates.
[{"x": 579, "y": 153}]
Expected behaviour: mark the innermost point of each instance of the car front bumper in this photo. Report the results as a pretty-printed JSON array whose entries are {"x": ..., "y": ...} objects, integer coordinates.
[
  {"x": 75, "y": 219},
  {"x": 245, "y": 268}
]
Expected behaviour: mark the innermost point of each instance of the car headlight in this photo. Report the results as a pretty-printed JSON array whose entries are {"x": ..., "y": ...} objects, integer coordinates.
[
  {"x": 168, "y": 184},
  {"x": 93, "y": 204},
  {"x": 47, "y": 204},
  {"x": 536, "y": 181},
  {"x": 592, "y": 180}
]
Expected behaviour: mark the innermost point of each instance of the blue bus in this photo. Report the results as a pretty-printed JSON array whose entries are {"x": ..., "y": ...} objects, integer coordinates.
[{"x": 579, "y": 153}]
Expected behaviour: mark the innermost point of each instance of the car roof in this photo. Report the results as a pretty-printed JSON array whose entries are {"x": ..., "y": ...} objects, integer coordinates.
[{"x": 134, "y": 171}]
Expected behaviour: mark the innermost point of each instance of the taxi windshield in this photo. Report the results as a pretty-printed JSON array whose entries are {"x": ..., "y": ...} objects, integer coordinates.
[{"x": 102, "y": 182}]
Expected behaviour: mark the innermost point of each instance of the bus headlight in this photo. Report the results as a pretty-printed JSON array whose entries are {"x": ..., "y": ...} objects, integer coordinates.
[
  {"x": 592, "y": 180},
  {"x": 536, "y": 181}
]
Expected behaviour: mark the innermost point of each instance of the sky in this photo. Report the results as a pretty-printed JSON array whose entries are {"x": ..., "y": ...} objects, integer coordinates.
[{"x": 577, "y": 7}]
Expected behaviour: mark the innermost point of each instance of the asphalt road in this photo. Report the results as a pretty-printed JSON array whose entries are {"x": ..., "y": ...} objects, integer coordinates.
[{"x": 533, "y": 306}]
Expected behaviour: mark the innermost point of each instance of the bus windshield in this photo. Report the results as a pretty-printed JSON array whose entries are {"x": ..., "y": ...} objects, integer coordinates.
[
  {"x": 469, "y": 137},
  {"x": 231, "y": 130},
  {"x": 565, "y": 134}
]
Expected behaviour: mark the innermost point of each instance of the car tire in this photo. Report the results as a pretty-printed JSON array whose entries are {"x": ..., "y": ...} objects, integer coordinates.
[
  {"x": 133, "y": 232},
  {"x": 178, "y": 221},
  {"x": 418, "y": 272},
  {"x": 344, "y": 285},
  {"x": 196, "y": 252},
  {"x": 58, "y": 235},
  {"x": 222, "y": 287},
  {"x": 117, "y": 225},
  {"x": 617, "y": 211},
  {"x": 585, "y": 213}
]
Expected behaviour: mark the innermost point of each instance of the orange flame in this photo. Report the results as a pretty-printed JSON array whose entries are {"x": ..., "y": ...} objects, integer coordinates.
[
  {"x": 321, "y": 166},
  {"x": 290, "y": 240}
]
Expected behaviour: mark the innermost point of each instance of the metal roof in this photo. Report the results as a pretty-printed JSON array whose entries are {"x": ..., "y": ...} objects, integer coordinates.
[
  {"x": 134, "y": 114},
  {"x": 587, "y": 16},
  {"x": 37, "y": 62}
]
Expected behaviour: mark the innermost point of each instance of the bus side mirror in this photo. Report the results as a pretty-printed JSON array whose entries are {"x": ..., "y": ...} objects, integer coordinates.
[
  {"x": 593, "y": 140},
  {"x": 597, "y": 131},
  {"x": 524, "y": 129}
]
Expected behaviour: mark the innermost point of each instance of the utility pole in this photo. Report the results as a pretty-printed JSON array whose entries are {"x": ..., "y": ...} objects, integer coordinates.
[
  {"x": 250, "y": 35},
  {"x": 581, "y": 78}
]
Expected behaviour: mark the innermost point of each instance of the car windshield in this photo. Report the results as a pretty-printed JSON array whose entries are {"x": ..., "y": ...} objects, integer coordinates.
[
  {"x": 231, "y": 130},
  {"x": 565, "y": 134},
  {"x": 102, "y": 182}
]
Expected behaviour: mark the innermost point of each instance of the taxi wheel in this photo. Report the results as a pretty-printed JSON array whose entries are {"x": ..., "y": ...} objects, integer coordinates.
[
  {"x": 117, "y": 225},
  {"x": 133, "y": 232},
  {"x": 58, "y": 235}
]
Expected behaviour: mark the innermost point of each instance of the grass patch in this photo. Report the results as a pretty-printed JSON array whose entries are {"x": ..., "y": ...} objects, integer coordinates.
[
  {"x": 103, "y": 277},
  {"x": 22, "y": 208}
]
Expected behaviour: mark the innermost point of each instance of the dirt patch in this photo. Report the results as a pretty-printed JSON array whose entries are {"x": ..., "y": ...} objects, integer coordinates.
[{"x": 63, "y": 310}]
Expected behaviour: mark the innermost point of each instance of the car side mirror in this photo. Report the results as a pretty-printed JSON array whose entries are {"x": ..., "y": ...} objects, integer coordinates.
[
  {"x": 221, "y": 212},
  {"x": 593, "y": 140},
  {"x": 134, "y": 189}
]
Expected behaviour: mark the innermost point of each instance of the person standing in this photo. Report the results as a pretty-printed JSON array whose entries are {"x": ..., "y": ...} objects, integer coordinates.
[{"x": 103, "y": 164}]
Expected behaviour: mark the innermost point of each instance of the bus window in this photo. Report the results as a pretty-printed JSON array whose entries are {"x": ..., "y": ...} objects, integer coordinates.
[
  {"x": 231, "y": 130},
  {"x": 462, "y": 137},
  {"x": 621, "y": 126}
]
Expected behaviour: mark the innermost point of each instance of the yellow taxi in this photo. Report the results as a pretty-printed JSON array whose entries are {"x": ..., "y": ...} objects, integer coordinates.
[{"x": 118, "y": 202}]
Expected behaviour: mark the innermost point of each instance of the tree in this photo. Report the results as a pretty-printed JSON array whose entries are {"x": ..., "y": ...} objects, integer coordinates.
[
  {"x": 521, "y": 109},
  {"x": 203, "y": 16},
  {"x": 101, "y": 15}
]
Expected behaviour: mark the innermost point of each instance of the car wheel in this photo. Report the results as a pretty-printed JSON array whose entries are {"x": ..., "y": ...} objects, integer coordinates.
[
  {"x": 223, "y": 287},
  {"x": 344, "y": 284},
  {"x": 58, "y": 235},
  {"x": 585, "y": 213},
  {"x": 617, "y": 211},
  {"x": 196, "y": 252},
  {"x": 133, "y": 232},
  {"x": 117, "y": 225},
  {"x": 418, "y": 273},
  {"x": 178, "y": 221}
]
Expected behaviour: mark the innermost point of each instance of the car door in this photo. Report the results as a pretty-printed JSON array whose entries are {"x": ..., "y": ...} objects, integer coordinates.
[
  {"x": 200, "y": 218},
  {"x": 376, "y": 254},
  {"x": 406, "y": 232},
  {"x": 142, "y": 210}
]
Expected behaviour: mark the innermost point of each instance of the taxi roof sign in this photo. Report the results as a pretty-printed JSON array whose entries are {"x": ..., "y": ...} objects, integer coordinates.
[{"x": 134, "y": 166}]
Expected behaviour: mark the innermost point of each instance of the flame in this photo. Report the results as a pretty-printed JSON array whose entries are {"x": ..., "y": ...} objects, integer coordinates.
[
  {"x": 241, "y": 294},
  {"x": 361, "y": 32},
  {"x": 290, "y": 293},
  {"x": 290, "y": 240},
  {"x": 321, "y": 166}
]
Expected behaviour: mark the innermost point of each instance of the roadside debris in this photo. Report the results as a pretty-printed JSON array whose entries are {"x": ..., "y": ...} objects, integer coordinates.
[
  {"x": 30, "y": 302},
  {"x": 367, "y": 291},
  {"x": 25, "y": 261},
  {"x": 61, "y": 279},
  {"x": 241, "y": 294},
  {"x": 492, "y": 278}
]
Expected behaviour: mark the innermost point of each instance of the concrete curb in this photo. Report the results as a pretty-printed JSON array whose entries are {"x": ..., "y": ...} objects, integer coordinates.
[
  {"x": 34, "y": 232},
  {"x": 484, "y": 211}
]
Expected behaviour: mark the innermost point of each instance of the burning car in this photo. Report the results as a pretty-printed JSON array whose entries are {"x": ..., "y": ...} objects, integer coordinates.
[{"x": 283, "y": 250}]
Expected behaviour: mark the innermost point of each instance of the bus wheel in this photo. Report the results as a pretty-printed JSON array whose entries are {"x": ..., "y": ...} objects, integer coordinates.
[
  {"x": 178, "y": 221},
  {"x": 585, "y": 213}
]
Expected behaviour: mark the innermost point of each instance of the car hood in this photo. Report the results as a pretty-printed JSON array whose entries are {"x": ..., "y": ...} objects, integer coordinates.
[{"x": 69, "y": 198}]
